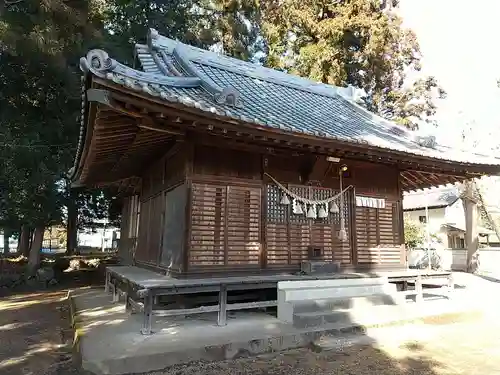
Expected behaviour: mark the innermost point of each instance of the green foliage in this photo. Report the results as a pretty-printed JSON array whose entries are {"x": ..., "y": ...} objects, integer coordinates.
[
  {"x": 96, "y": 204},
  {"x": 233, "y": 25},
  {"x": 414, "y": 234},
  {"x": 40, "y": 100},
  {"x": 352, "y": 42}
]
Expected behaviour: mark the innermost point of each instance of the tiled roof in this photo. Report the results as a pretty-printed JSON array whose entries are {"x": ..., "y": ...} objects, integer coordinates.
[
  {"x": 434, "y": 198},
  {"x": 251, "y": 93}
]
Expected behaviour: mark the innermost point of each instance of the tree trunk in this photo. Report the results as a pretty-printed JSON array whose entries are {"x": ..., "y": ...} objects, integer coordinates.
[
  {"x": 35, "y": 250},
  {"x": 24, "y": 241},
  {"x": 486, "y": 211},
  {"x": 30, "y": 240},
  {"x": 6, "y": 236},
  {"x": 471, "y": 233},
  {"x": 71, "y": 228}
]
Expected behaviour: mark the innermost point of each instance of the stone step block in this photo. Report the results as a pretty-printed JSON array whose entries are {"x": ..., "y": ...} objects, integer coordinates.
[
  {"x": 372, "y": 316},
  {"x": 320, "y": 319},
  {"x": 347, "y": 303}
]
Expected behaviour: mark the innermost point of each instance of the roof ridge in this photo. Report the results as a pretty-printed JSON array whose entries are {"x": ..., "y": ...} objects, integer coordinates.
[{"x": 199, "y": 55}]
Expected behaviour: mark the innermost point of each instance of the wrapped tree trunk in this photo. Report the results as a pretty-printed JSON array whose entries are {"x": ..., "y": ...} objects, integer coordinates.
[
  {"x": 484, "y": 208},
  {"x": 35, "y": 250},
  {"x": 471, "y": 222}
]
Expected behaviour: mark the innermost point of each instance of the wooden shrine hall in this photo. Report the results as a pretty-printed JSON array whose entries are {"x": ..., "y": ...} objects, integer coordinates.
[{"x": 229, "y": 168}]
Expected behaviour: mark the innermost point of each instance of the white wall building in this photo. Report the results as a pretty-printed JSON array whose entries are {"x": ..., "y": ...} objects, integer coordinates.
[{"x": 446, "y": 217}]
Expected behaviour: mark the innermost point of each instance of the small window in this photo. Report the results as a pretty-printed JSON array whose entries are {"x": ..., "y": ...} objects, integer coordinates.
[
  {"x": 422, "y": 219},
  {"x": 462, "y": 243}
]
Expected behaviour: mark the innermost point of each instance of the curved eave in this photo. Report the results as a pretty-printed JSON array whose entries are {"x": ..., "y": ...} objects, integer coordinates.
[
  {"x": 97, "y": 64},
  {"x": 86, "y": 132},
  {"x": 81, "y": 150},
  {"x": 211, "y": 112}
]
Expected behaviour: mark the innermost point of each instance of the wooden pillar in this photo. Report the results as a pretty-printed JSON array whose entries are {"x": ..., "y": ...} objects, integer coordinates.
[{"x": 222, "y": 316}]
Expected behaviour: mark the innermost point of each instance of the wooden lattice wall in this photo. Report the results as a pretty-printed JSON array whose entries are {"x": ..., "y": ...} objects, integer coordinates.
[{"x": 288, "y": 235}]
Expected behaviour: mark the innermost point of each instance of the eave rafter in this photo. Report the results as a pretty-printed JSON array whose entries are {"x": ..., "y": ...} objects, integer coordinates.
[
  {"x": 430, "y": 171},
  {"x": 412, "y": 180},
  {"x": 129, "y": 185},
  {"x": 122, "y": 143}
]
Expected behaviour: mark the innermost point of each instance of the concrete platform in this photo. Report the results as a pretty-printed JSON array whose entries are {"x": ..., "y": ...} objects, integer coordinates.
[{"x": 108, "y": 341}]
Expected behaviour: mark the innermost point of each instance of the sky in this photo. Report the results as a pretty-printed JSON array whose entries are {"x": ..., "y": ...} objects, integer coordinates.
[{"x": 456, "y": 38}]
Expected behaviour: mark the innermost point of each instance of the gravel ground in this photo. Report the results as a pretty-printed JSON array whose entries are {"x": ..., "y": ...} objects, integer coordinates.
[{"x": 470, "y": 347}]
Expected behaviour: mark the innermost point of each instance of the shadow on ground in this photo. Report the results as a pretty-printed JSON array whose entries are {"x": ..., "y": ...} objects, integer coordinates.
[
  {"x": 35, "y": 338},
  {"x": 345, "y": 354},
  {"x": 35, "y": 330},
  {"x": 488, "y": 278}
]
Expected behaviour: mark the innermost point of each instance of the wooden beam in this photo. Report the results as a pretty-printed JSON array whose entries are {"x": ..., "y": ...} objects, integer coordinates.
[
  {"x": 425, "y": 179},
  {"x": 407, "y": 182},
  {"x": 149, "y": 124}
]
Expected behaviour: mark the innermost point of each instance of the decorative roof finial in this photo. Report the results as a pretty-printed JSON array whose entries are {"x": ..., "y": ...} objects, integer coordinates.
[
  {"x": 153, "y": 34},
  {"x": 229, "y": 96},
  {"x": 98, "y": 62},
  {"x": 428, "y": 141}
]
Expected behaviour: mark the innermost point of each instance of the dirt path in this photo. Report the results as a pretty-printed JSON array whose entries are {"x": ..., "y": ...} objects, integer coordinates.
[{"x": 34, "y": 334}]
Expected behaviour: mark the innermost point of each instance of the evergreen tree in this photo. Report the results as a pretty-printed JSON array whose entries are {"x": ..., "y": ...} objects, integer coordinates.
[
  {"x": 352, "y": 42},
  {"x": 40, "y": 100},
  {"x": 232, "y": 25}
]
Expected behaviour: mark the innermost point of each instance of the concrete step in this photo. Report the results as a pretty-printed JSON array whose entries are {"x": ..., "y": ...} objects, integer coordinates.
[
  {"x": 347, "y": 303},
  {"x": 347, "y": 317}
]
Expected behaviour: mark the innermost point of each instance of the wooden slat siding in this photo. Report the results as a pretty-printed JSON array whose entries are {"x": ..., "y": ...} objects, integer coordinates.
[
  {"x": 352, "y": 226},
  {"x": 225, "y": 225},
  {"x": 154, "y": 228},
  {"x": 377, "y": 240},
  {"x": 207, "y": 238},
  {"x": 141, "y": 253},
  {"x": 288, "y": 235},
  {"x": 243, "y": 225}
]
